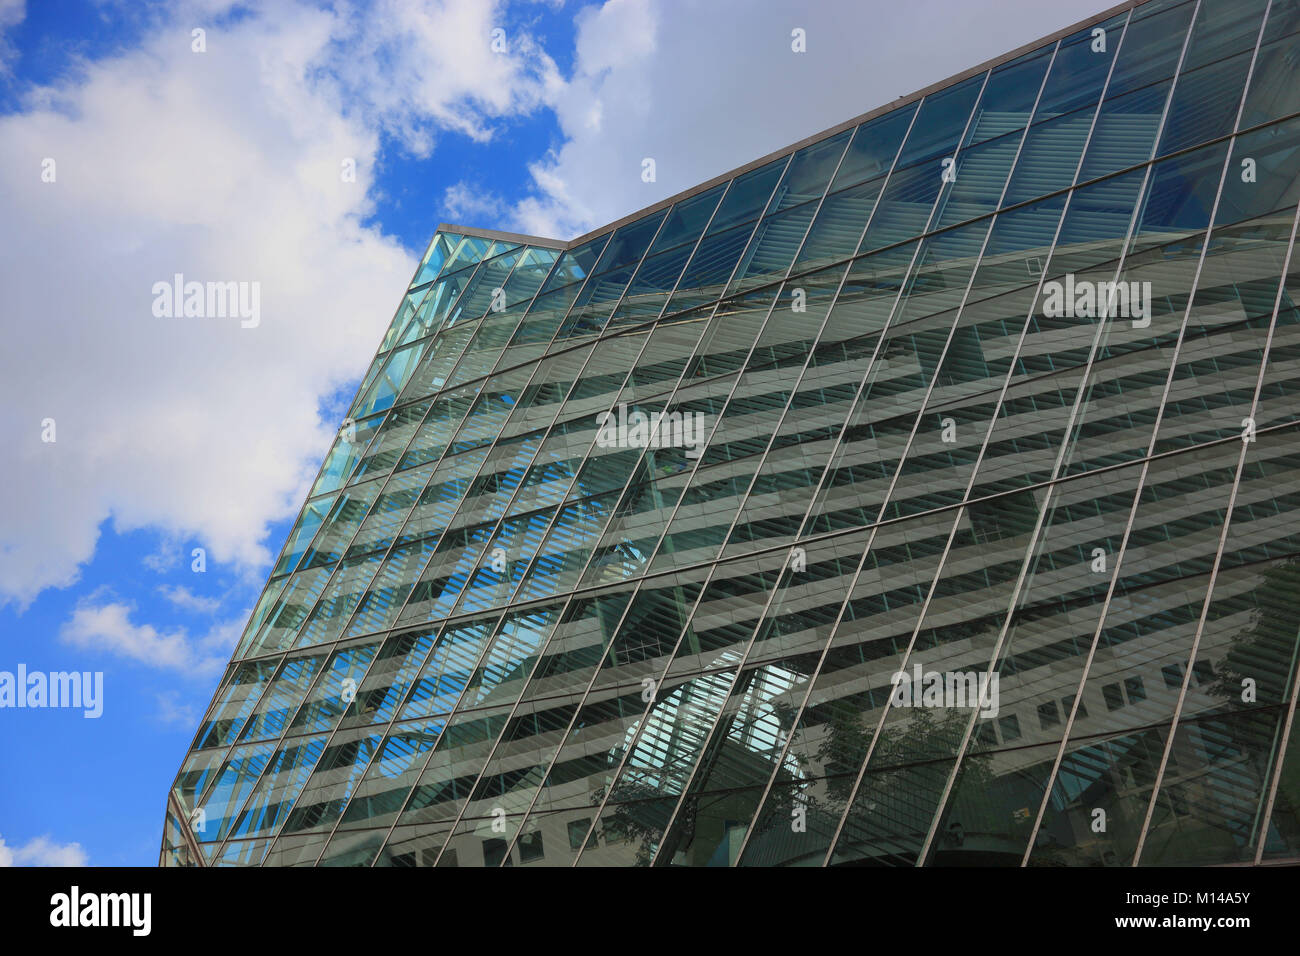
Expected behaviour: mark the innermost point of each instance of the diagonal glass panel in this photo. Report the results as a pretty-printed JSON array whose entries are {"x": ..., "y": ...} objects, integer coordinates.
[
  {"x": 283, "y": 697},
  {"x": 268, "y": 806},
  {"x": 336, "y": 687}
]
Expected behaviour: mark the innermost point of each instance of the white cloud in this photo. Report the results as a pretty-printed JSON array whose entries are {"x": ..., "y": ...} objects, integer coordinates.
[
  {"x": 466, "y": 203},
  {"x": 173, "y": 713},
  {"x": 420, "y": 68},
  {"x": 42, "y": 851},
  {"x": 12, "y": 13},
  {"x": 221, "y": 165},
  {"x": 102, "y": 625},
  {"x": 185, "y": 599},
  {"x": 703, "y": 86}
]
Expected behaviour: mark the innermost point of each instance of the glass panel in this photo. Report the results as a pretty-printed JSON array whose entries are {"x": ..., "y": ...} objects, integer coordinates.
[
  {"x": 283, "y": 697},
  {"x": 336, "y": 688},
  {"x": 234, "y": 705},
  {"x": 874, "y": 146},
  {"x": 448, "y": 669},
  {"x": 389, "y": 678},
  {"x": 1236, "y": 696},
  {"x": 286, "y": 774}
]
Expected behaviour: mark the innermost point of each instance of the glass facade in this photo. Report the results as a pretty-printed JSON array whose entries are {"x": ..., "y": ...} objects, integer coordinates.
[{"x": 632, "y": 549}]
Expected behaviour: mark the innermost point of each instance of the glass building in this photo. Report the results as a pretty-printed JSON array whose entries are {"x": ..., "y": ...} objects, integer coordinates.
[{"x": 632, "y": 548}]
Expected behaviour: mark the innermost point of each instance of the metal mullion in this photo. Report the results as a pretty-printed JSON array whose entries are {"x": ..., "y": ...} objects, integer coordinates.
[
  {"x": 452, "y": 713},
  {"x": 486, "y": 377},
  {"x": 1137, "y": 498},
  {"x": 961, "y": 510},
  {"x": 1066, "y": 190},
  {"x": 487, "y": 643},
  {"x": 410, "y": 287},
  {"x": 671, "y": 393},
  {"x": 387, "y": 633},
  {"x": 387, "y": 552},
  {"x": 597, "y": 341},
  {"x": 983, "y": 447},
  {"x": 568, "y": 727},
  {"x": 428, "y": 339},
  {"x": 473, "y": 270},
  {"x": 537, "y": 365},
  {"x": 460, "y": 427},
  {"x": 717, "y": 562},
  {"x": 835, "y": 535},
  {"x": 383, "y": 487},
  {"x": 848, "y": 263},
  {"x": 293, "y": 569},
  {"x": 708, "y": 738},
  {"x": 761, "y": 457},
  {"x": 740, "y": 373},
  {"x": 668, "y": 393},
  {"x": 895, "y": 309},
  {"x": 568, "y": 599},
  {"x": 332, "y": 646},
  {"x": 776, "y": 587},
  {"x": 853, "y": 258},
  {"x": 1287, "y": 725},
  {"x": 460, "y": 360},
  {"x": 1041, "y": 521},
  {"x": 1241, "y": 461},
  {"x": 645, "y": 326},
  {"x": 226, "y": 749},
  {"x": 548, "y": 430},
  {"x": 384, "y": 738},
  {"x": 1087, "y": 664},
  {"x": 1187, "y": 676},
  {"x": 567, "y": 312},
  {"x": 565, "y": 601},
  {"x": 656, "y": 684},
  {"x": 638, "y": 582},
  {"x": 283, "y": 584},
  {"x": 187, "y": 835},
  {"x": 829, "y": 535},
  {"x": 1075, "y": 409},
  {"x": 839, "y": 440},
  {"x": 1146, "y": 460},
  {"x": 812, "y": 681},
  {"x": 1288, "y": 722},
  {"x": 274, "y": 836},
  {"x": 328, "y": 650},
  {"x": 497, "y": 366},
  {"x": 234, "y": 743}
]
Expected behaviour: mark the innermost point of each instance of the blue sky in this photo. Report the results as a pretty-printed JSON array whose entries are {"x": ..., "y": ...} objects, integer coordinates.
[{"x": 222, "y": 164}]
